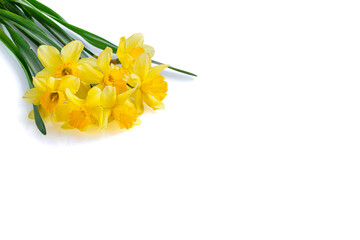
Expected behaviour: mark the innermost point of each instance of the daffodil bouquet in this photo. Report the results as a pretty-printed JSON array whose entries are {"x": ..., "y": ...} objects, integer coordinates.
[{"x": 70, "y": 84}]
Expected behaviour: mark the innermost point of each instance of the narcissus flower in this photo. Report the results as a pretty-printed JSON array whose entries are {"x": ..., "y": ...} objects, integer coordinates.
[
  {"x": 118, "y": 107},
  {"x": 51, "y": 92},
  {"x": 80, "y": 113},
  {"x": 110, "y": 74},
  {"x": 130, "y": 49},
  {"x": 152, "y": 86},
  {"x": 67, "y": 63}
]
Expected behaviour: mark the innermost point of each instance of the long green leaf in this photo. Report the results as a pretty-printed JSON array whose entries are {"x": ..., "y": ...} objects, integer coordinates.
[
  {"x": 52, "y": 27},
  {"x": 29, "y": 27},
  {"x": 11, "y": 46},
  {"x": 25, "y": 50}
]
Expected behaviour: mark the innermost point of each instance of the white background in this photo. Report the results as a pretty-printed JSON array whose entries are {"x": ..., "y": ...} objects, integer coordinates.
[{"x": 264, "y": 144}]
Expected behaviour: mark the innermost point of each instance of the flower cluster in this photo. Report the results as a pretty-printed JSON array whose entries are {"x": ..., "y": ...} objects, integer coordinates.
[{"x": 85, "y": 92}]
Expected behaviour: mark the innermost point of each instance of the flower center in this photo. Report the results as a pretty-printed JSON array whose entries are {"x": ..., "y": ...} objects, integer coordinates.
[
  {"x": 54, "y": 97},
  {"x": 66, "y": 71}
]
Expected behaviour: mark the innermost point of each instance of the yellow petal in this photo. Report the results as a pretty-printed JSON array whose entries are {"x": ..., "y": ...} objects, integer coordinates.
[
  {"x": 121, "y": 98},
  {"x": 70, "y": 82},
  {"x": 142, "y": 65},
  {"x": 157, "y": 87},
  {"x": 136, "y": 40},
  {"x": 139, "y": 101},
  {"x": 80, "y": 119},
  {"x": 83, "y": 90},
  {"x": 72, "y": 51},
  {"x": 89, "y": 74},
  {"x": 52, "y": 83},
  {"x": 97, "y": 115},
  {"x": 136, "y": 52},
  {"x": 105, "y": 119},
  {"x": 122, "y": 46},
  {"x": 149, "y": 49},
  {"x": 50, "y": 99},
  {"x": 49, "y": 56},
  {"x": 91, "y": 61},
  {"x": 108, "y": 97},
  {"x": 104, "y": 60},
  {"x": 46, "y": 73},
  {"x": 155, "y": 71},
  {"x": 152, "y": 102},
  {"x": 93, "y": 97},
  {"x": 33, "y": 96},
  {"x": 61, "y": 112},
  {"x": 74, "y": 99},
  {"x": 31, "y": 115},
  {"x": 125, "y": 116},
  {"x": 40, "y": 83}
]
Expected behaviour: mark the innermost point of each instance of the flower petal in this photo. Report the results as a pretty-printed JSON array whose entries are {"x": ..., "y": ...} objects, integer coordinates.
[
  {"x": 125, "y": 116},
  {"x": 89, "y": 74},
  {"x": 61, "y": 112},
  {"x": 104, "y": 60},
  {"x": 93, "y": 97},
  {"x": 46, "y": 73},
  {"x": 121, "y": 98},
  {"x": 142, "y": 65},
  {"x": 136, "y": 40},
  {"x": 108, "y": 97},
  {"x": 74, "y": 99},
  {"x": 105, "y": 119},
  {"x": 91, "y": 61},
  {"x": 155, "y": 71},
  {"x": 139, "y": 101},
  {"x": 49, "y": 56},
  {"x": 33, "y": 96},
  {"x": 152, "y": 102},
  {"x": 156, "y": 87},
  {"x": 70, "y": 82},
  {"x": 72, "y": 51},
  {"x": 149, "y": 49},
  {"x": 40, "y": 83}
]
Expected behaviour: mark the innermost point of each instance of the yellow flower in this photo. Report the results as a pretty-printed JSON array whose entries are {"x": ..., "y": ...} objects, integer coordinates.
[
  {"x": 130, "y": 49},
  {"x": 80, "y": 113},
  {"x": 67, "y": 63},
  {"x": 118, "y": 107},
  {"x": 152, "y": 87},
  {"x": 110, "y": 74},
  {"x": 51, "y": 92}
]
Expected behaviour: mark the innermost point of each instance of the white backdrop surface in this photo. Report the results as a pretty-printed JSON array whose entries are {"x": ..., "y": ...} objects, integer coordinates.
[{"x": 264, "y": 144}]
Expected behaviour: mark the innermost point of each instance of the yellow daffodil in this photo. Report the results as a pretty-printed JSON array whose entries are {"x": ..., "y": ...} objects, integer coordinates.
[
  {"x": 67, "y": 63},
  {"x": 80, "y": 113},
  {"x": 130, "y": 49},
  {"x": 118, "y": 107},
  {"x": 50, "y": 93},
  {"x": 111, "y": 75},
  {"x": 152, "y": 87}
]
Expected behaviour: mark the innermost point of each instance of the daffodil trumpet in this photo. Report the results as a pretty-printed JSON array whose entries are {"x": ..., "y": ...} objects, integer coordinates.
[{"x": 70, "y": 84}]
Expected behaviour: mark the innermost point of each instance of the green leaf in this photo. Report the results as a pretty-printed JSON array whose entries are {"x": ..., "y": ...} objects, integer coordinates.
[
  {"x": 49, "y": 24},
  {"x": 29, "y": 28},
  {"x": 176, "y": 69},
  {"x": 13, "y": 48},
  {"x": 25, "y": 50},
  {"x": 38, "y": 120},
  {"x": 41, "y": 7}
]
